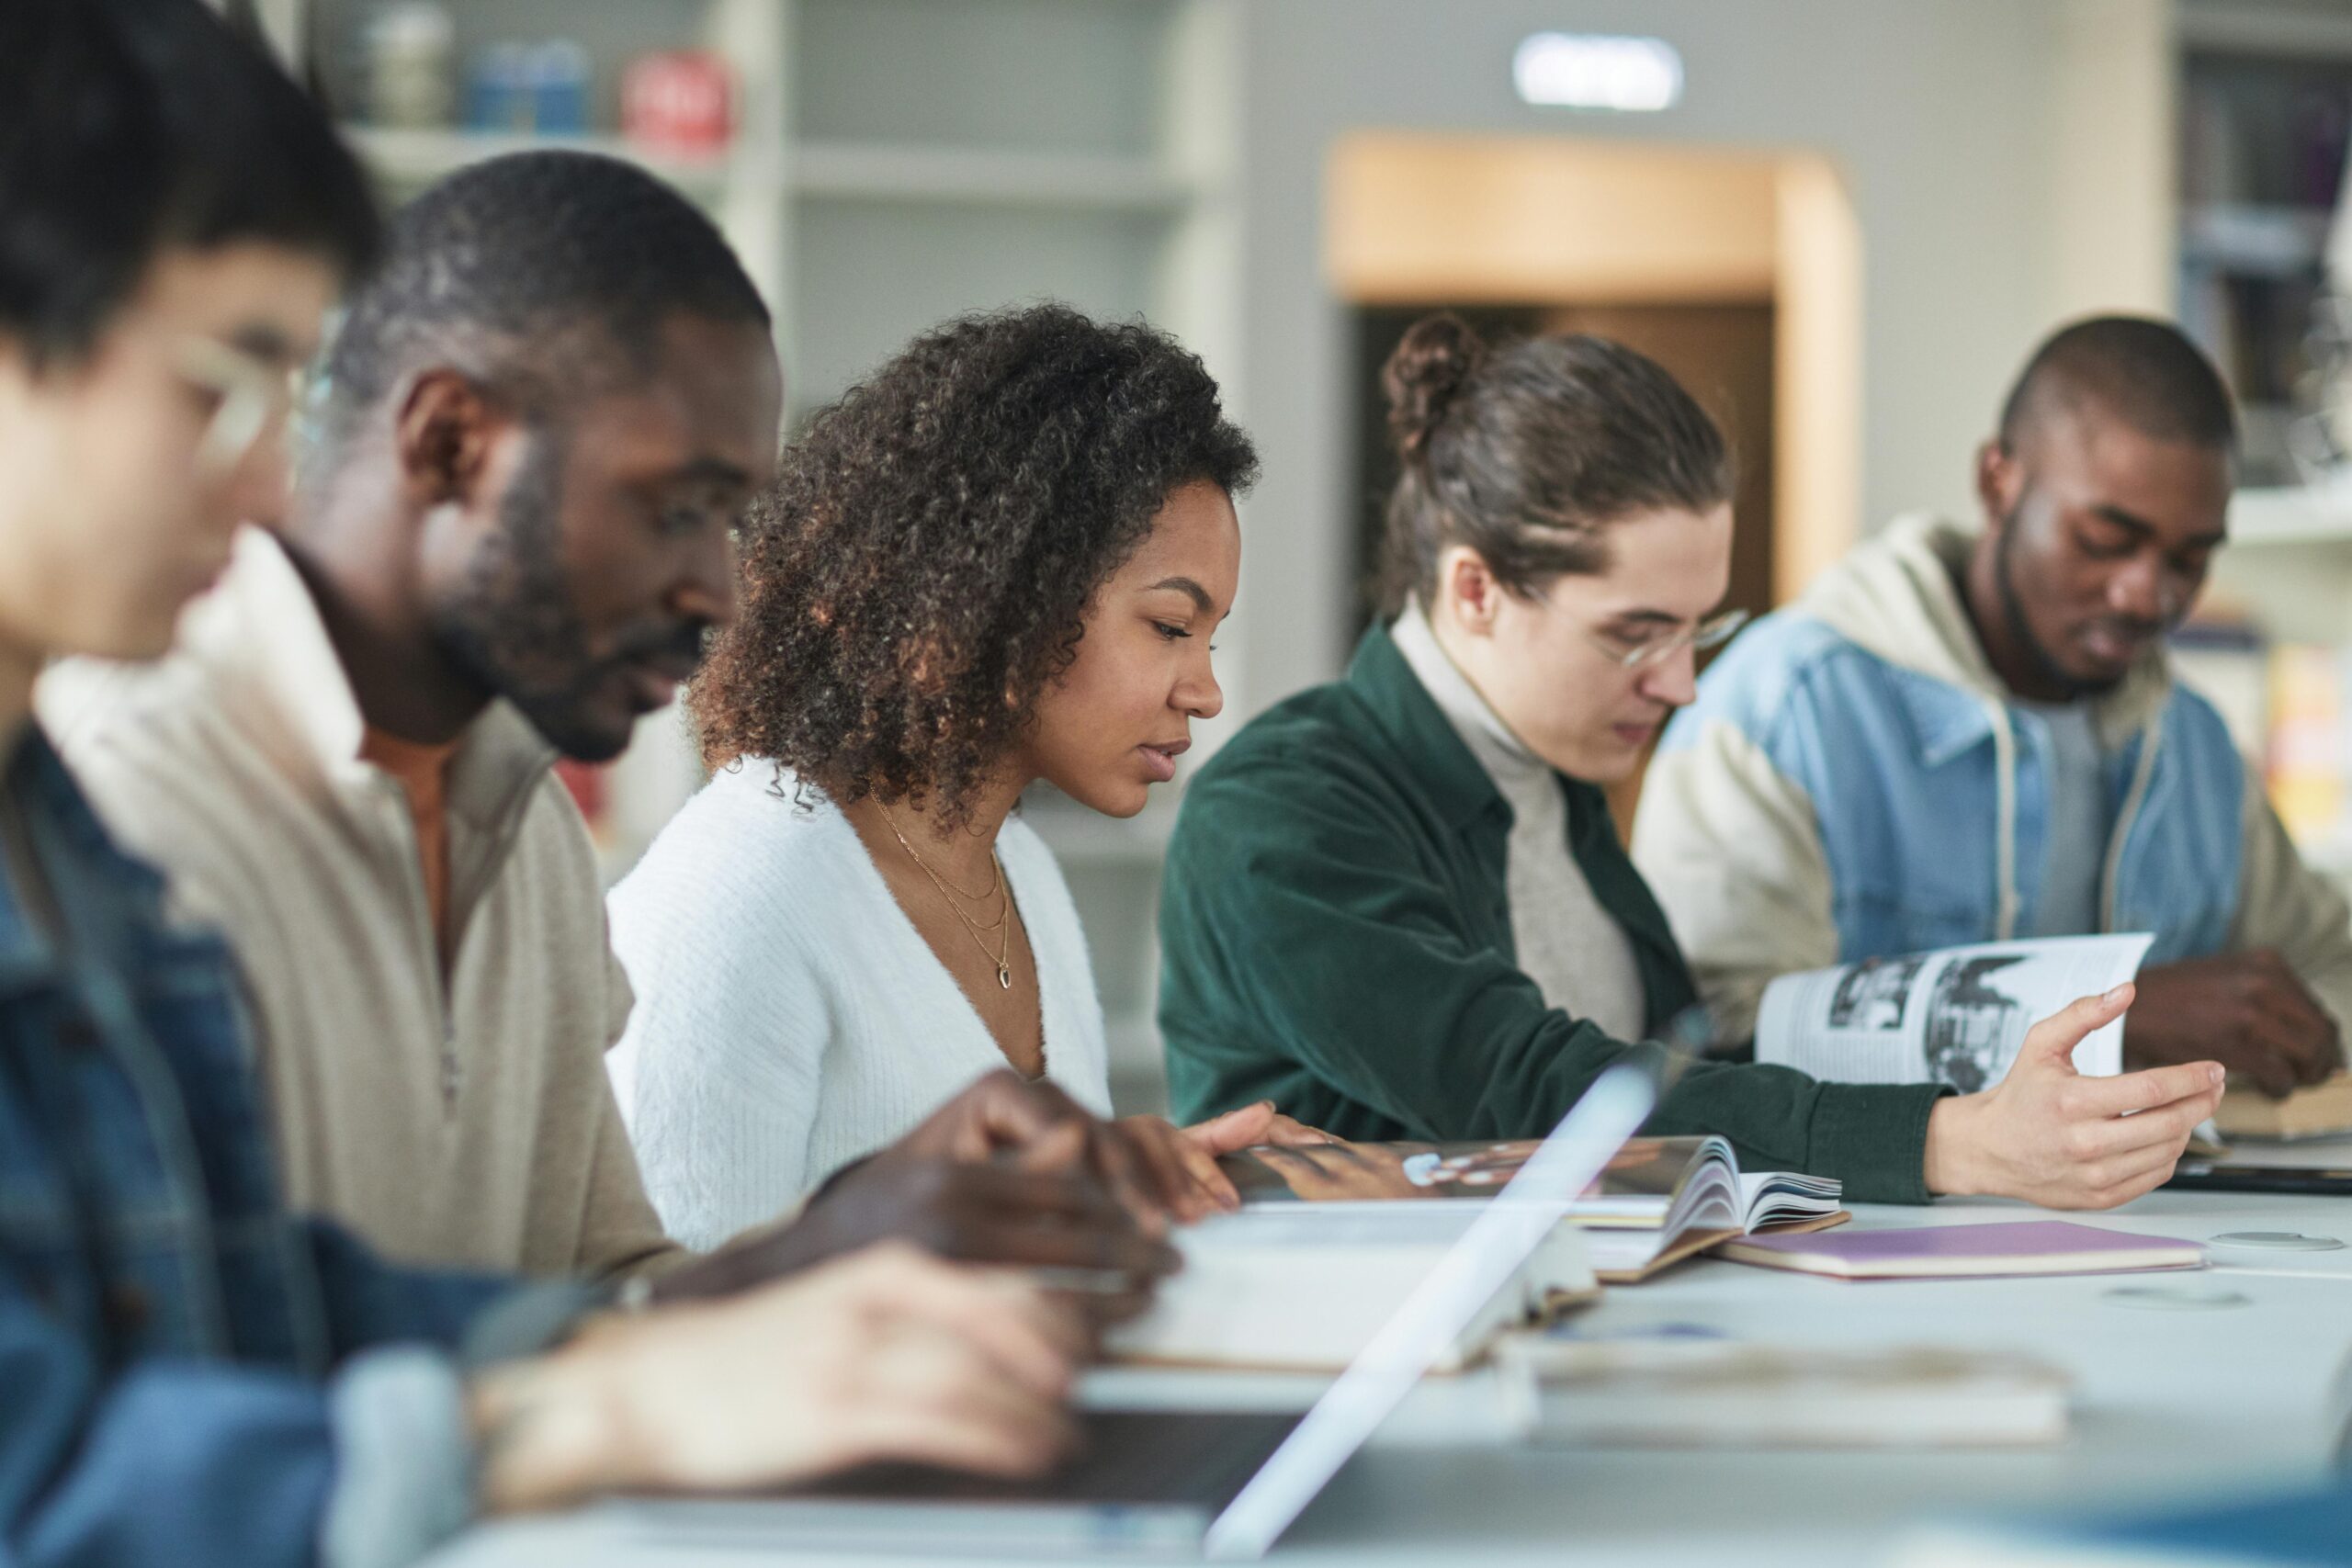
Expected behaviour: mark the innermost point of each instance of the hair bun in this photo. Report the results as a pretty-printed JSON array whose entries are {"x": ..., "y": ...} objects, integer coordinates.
[{"x": 1430, "y": 364}]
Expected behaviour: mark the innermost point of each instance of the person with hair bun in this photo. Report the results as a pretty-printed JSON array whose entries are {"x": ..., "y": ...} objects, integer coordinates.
[
  {"x": 997, "y": 560},
  {"x": 1396, "y": 904}
]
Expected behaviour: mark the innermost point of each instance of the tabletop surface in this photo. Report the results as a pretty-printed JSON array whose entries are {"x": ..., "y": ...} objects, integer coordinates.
[{"x": 2169, "y": 1407}]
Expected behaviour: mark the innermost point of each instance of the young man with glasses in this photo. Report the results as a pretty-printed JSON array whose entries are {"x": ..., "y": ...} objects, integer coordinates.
[
  {"x": 1961, "y": 734},
  {"x": 190, "y": 1374}
]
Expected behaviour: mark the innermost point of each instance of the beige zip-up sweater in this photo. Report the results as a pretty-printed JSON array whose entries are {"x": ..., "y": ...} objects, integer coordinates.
[{"x": 467, "y": 1123}]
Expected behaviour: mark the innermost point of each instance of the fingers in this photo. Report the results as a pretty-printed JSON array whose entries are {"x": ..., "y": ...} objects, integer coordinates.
[
  {"x": 1029, "y": 1338},
  {"x": 2121, "y": 1137},
  {"x": 1009, "y": 1111},
  {"x": 2055, "y": 1038},
  {"x": 1209, "y": 1180},
  {"x": 1041, "y": 1220},
  {"x": 1234, "y": 1130},
  {"x": 1285, "y": 1131},
  {"x": 931, "y": 1397},
  {"x": 2299, "y": 1032},
  {"x": 1134, "y": 1183},
  {"x": 2113, "y": 1185},
  {"x": 1158, "y": 1148},
  {"x": 2144, "y": 1090}
]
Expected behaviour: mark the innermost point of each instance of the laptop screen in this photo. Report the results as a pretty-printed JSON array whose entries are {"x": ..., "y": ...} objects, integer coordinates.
[{"x": 1439, "y": 1309}]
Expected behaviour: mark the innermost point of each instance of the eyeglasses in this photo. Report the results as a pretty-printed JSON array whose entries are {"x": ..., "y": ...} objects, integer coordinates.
[
  {"x": 254, "y": 396},
  {"x": 1712, "y": 632}
]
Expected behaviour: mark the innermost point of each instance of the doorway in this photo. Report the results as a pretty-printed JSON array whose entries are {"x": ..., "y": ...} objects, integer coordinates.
[{"x": 1740, "y": 273}]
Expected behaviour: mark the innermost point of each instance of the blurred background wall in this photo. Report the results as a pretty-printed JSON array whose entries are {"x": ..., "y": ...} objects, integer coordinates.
[{"x": 1845, "y": 229}]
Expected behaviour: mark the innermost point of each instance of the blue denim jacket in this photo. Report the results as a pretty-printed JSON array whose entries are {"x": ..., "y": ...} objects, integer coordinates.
[
  {"x": 1854, "y": 781},
  {"x": 188, "y": 1374}
]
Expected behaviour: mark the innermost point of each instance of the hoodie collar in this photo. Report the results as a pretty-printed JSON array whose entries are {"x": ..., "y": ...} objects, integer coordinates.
[{"x": 1897, "y": 595}]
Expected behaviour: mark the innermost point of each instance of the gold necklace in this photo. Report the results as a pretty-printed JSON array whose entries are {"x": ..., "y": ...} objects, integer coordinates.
[
  {"x": 1003, "y": 956},
  {"x": 975, "y": 898}
]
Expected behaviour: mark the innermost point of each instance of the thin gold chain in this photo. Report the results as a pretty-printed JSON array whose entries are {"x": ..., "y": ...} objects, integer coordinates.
[
  {"x": 990, "y": 892},
  {"x": 1001, "y": 958}
]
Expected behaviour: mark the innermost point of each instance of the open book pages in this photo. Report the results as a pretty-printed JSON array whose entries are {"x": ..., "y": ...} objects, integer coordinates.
[
  {"x": 1955, "y": 1016},
  {"x": 2322, "y": 1110},
  {"x": 1726, "y": 1393},
  {"x": 1659, "y": 1200},
  {"x": 1306, "y": 1290}
]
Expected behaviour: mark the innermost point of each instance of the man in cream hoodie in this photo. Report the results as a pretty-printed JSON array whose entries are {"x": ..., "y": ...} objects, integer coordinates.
[{"x": 1965, "y": 733}]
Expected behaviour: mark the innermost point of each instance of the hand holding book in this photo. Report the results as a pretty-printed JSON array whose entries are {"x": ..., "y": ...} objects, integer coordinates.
[{"x": 2047, "y": 1133}]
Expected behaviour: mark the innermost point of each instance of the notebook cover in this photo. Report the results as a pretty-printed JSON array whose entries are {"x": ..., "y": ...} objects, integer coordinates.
[{"x": 2029, "y": 1245}]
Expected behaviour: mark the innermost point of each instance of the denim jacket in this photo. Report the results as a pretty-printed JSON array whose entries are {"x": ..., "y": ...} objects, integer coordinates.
[
  {"x": 188, "y": 1374},
  {"x": 1855, "y": 782}
]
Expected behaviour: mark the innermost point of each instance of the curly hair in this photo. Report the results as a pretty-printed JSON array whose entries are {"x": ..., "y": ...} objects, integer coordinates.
[{"x": 921, "y": 568}]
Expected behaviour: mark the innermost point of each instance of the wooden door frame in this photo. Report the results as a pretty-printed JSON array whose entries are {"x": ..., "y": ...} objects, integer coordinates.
[{"x": 1547, "y": 220}]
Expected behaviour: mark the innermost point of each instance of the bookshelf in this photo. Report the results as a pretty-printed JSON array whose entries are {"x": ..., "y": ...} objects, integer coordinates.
[
  {"x": 2264, "y": 114},
  {"x": 894, "y": 162}
]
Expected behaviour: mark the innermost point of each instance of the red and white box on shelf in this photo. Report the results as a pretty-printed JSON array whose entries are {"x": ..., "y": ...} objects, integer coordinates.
[{"x": 679, "y": 101}]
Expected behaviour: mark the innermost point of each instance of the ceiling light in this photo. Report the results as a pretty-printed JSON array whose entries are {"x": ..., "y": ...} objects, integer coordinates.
[{"x": 1598, "y": 71}]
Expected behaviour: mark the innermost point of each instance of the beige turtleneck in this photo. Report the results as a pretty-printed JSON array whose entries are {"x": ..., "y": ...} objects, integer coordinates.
[{"x": 1577, "y": 957}]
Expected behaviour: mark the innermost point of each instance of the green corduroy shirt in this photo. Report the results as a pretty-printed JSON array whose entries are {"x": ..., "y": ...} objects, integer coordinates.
[{"x": 1336, "y": 937}]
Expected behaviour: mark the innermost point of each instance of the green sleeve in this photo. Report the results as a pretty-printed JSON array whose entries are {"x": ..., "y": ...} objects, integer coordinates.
[{"x": 1308, "y": 927}]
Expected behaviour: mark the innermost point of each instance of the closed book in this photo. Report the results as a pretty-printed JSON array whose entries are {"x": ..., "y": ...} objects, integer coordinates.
[
  {"x": 2322, "y": 1110},
  {"x": 1297, "y": 1290},
  {"x": 1961, "y": 1252},
  {"x": 1726, "y": 1393}
]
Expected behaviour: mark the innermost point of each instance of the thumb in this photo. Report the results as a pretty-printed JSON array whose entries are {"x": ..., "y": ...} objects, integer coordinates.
[
  {"x": 2051, "y": 1044},
  {"x": 1010, "y": 1113},
  {"x": 1059, "y": 1146},
  {"x": 1234, "y": 1130}
]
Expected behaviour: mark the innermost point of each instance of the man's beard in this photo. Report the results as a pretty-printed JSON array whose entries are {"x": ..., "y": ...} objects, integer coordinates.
[
  {"x": 513, "y": 627},
  {"x": 2021, "y": 631}
]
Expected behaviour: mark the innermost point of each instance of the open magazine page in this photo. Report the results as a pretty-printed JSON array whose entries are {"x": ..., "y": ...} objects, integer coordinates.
[{"x": 1955, "y": 1016}]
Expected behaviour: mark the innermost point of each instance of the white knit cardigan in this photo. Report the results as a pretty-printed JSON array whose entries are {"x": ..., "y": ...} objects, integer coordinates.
[{"x": 789, "y": 1018}]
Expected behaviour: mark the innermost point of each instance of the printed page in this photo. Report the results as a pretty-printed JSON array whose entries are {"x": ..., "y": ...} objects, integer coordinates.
[{"x": 1955, "y": 1016}]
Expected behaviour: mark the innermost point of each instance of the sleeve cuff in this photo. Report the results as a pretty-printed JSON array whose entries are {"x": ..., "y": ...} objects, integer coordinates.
[
  {"x": 404, "y": 1459},
  {"x": 1873, "y": 1138}
]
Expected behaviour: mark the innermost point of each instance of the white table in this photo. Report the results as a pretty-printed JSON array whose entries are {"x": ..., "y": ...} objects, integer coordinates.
[{"x": 2171, "y": 1406}]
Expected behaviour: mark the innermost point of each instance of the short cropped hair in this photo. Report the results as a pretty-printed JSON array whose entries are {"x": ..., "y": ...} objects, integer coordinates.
[
  {"x": 2142, "y": 371},
  {"x": 130, "y": 126},
  {"x": 922, "y": 566},
  {"x": 547, "y": 274}
]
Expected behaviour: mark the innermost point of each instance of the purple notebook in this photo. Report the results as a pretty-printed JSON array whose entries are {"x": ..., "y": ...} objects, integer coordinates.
[{"x": 1960, "y": 1252}]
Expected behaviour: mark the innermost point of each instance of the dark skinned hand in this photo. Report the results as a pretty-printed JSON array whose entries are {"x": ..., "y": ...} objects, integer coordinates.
[
  {"x": 1008, "y": 1172},
  {"x": 2246, "y": 1010}
]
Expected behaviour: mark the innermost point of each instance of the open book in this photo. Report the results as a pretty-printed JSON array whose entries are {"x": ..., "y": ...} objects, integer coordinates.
[
  {"x": 1660, "y": 1200},
  {"x": 1955, "y": 1016}
]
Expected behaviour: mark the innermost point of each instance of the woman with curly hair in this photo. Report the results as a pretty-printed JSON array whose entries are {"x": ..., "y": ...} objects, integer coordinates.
[{"x": 997, "y": 560}]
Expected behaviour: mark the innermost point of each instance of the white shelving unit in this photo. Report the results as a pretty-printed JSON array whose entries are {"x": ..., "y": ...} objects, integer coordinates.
[
  {"x": 896, "y": 163},
  {"x": 2288, "y": 568},
  {"x": 2289, "y": 562}
]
